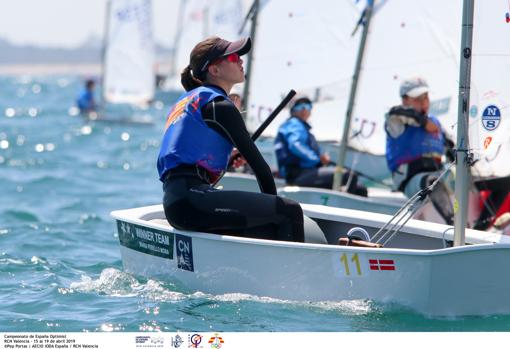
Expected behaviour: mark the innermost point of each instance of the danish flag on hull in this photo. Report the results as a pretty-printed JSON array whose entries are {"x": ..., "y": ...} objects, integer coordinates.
[{"x": 381, "y": 264}]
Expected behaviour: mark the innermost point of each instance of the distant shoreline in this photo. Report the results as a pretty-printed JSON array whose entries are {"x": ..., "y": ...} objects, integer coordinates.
[
  {"x": 51, "y": 69},
  {"x": 83, "y": 69}
]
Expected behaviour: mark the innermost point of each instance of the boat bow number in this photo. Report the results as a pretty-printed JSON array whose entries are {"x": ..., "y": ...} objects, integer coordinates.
[{"x": 351, "y": 264}]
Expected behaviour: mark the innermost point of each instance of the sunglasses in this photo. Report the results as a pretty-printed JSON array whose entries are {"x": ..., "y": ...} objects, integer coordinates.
[
  {"x": 232, "y": 58},
  {"x": 302, "y": 106}
]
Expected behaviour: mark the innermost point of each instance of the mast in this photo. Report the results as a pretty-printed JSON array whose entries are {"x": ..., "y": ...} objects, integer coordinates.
[
  {"x": 253, "y": 14},
  {"x": 462, "y": 166},
  {"x": 367, "y": 16},
  {"x": 104, "y": 48}
]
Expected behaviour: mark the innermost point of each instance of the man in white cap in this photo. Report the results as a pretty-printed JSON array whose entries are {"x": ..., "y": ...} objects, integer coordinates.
[{"x": 415, "y": 144}]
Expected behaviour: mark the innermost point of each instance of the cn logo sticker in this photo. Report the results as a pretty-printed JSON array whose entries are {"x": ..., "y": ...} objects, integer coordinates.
[
  {"x": 184, "y": 250},
  {"x": 491, "y": 118}
]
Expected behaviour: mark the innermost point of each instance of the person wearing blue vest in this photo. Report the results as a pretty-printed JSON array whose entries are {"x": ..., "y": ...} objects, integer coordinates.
[
  {"x": 415, "y": 145},
  {"x": 85, "y": 101},
  {"x": 299, "y": 157},
  {"x": 201, "y": 131}
]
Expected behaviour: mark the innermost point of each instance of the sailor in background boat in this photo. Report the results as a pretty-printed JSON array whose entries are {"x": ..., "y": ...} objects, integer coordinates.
[
  {"x": 415, "y": 145},
  {"x": 300, "y": 160},
  {"x": 86, "y": 101},
  {"x": 201, "y": 130}
]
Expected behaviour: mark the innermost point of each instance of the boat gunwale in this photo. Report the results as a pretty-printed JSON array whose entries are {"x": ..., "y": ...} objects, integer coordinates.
[{"x": 126, "y": 215}]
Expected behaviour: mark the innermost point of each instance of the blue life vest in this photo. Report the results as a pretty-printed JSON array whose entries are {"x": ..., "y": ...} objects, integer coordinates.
[
  {"x": 295, "y": 146},
  {"x": 85, "y": 100},
  {"x": 188, "y": 139},
  {"x": 413, "y": 144}
]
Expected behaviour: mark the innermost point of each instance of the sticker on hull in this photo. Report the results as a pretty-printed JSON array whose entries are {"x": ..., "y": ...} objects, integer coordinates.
[
  {"x": 146, "y": 240},
  {"x": 381, "y": 264},
  {"x": 184, "y": 250}
]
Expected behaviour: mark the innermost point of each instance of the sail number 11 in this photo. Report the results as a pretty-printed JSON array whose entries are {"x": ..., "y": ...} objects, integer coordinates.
[{"x": 354, "y": 261}]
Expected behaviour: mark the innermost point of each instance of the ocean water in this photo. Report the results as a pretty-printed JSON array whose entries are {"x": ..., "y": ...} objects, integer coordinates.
[{"x": 60, "y": 266}]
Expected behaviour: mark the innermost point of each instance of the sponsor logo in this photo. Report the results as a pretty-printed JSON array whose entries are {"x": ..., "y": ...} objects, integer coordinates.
[
  {"x": 146, "y": 240},
  {"x": 473, "y": 111},
  {"x": 184, "y": 248},
  {"x": 149, "y": 342},
  {"x": 491, "y": 117},
  {"x": 194, "y": 341},
  {"x": 157, "y": 340},
  {"x": 177, "y": 112},
  {"x": 216, "y": 341},
  {"x": 381, "y": 264},
  {"x": 141, "y": 339},
  {"x": 176, "y": 341},
  {"x": 487, "y": 142}
]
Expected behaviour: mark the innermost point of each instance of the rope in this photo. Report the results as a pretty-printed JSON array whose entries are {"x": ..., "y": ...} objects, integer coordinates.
[{"x": 406, "y": 212}]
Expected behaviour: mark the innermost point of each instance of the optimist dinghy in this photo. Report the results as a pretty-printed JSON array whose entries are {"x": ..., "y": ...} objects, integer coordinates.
[{"x": 413, "y": 268}]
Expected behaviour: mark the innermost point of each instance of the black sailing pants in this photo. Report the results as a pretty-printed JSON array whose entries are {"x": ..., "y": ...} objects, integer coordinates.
[{"x": 192, "y": 204}]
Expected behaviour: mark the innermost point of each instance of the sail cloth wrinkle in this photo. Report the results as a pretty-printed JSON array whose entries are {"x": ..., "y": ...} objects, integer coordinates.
[
  {"x": 407, "y": 39},
  {"x": 129, "y": 57},
  {"x": 489, "y": 124}
]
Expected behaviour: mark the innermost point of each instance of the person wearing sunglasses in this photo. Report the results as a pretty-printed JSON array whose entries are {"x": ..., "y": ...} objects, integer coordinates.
[
  {"x": 202, "y": 129},
  {"x": 299, "y": 157}
]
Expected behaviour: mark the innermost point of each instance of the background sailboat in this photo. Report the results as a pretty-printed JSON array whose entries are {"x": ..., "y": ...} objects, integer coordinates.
[
  {"x": 406, "y": 38},
  {"x": 129, "y": 53},
  {"x": 489, "y": 128},
  {"x": 128, "y": 81},
  {"x": 320, "y": 63},
  {"x": 306, "y": 46},
  {"x": 424, "y": 44}
]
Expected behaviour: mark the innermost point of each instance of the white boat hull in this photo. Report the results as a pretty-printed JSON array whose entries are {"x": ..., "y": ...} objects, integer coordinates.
[
  {"x": 243, "y": 182},
  {"x": 427, "y": 280}
]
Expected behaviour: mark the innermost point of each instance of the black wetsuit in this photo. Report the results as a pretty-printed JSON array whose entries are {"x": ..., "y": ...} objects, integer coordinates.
[{"x": 191, "y": 203}]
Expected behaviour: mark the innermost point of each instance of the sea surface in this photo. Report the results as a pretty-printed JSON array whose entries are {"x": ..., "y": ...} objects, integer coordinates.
[{"x": 60, "y": 266}]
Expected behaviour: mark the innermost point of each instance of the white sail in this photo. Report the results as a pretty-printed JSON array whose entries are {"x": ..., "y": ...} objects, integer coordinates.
[
  {"x": 202, "y": 19},
  {"x": 306, "y": 46},
  {"x": 129, "y": 57},
  {"x": 407, "y": 38},
  {"x": 489, "y": 123}
]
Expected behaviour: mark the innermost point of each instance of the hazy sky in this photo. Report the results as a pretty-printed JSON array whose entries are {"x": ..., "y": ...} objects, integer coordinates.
[{"x": 67, "y": 23}]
